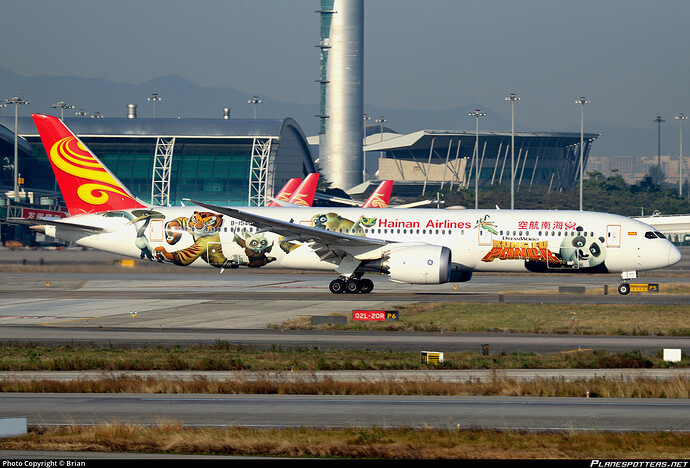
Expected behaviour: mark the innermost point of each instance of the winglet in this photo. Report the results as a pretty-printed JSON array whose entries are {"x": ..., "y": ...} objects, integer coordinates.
[
  {"x": 286, "y": 192},
  {"x": 86, "y": 184},
  {"x": 381, "y": 196},
  {"x": 304, "y": 195}
]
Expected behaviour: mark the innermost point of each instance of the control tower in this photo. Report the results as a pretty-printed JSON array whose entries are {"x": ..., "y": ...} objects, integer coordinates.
[{"x": 342, "y": 92}]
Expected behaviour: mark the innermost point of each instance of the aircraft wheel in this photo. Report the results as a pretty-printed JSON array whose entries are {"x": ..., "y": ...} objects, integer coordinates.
[
  {"x": 623, "y": 289},
  {"x": 352, "y": 286},
  {"x": 366, "y": 286},
  {"x": 337, "y": 286}
]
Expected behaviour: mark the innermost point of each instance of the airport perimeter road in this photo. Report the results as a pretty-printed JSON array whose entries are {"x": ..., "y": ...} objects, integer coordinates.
[{"x": 277, "y": 411}]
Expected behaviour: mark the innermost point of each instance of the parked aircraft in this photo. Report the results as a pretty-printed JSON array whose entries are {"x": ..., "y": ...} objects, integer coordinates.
[
  {"x": 286, "y": 192},
  {"x": 417, "y": 246}
]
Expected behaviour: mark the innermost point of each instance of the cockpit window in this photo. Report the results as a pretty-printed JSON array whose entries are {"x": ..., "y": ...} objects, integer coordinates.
[
  {"x": 660, "y": 235},
  {"x": 653, "y": 235}
]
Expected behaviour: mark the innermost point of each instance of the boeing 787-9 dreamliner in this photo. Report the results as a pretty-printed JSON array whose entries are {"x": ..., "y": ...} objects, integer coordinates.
[{"x": 416, "y": 246}]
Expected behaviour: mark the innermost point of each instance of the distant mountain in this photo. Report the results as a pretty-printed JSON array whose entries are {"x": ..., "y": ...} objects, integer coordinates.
[{"x": 182, "y": 98}]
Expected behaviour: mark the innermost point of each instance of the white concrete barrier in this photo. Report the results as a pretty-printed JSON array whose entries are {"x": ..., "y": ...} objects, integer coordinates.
[
  {"x": 11, "y": 427},
  {"x": 671, "y": 355}
]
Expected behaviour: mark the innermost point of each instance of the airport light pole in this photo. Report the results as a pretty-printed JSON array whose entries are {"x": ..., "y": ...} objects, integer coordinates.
[
  {"x": 255, "y": 100},
  {"x": 582, "y": 101},
  {"x": 62, "y": 105},
  {"x": 659, "y": 121},
  {"x": 512, "y": 98},
  {"x": 364, "y": 143},
  {"x": 17, "y": 101},
  {"x": 81, "y": 113},
  {"x": 477, "y": 113},
  {"x": 680, "y": 117},
  {"x": 381, "y": 120},
  {"x": 154, "y": 98}
]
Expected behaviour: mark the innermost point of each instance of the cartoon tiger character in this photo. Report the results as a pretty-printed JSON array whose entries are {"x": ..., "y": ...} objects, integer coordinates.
[{"x": 205, "y": 230}]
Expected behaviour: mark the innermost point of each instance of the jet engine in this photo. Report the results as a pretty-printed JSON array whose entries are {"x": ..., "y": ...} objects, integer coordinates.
[{"x": 418, "y": 264}]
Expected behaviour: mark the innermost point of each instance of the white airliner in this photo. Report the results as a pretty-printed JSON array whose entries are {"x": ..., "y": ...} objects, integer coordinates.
[{"x": 417, "y": 246}]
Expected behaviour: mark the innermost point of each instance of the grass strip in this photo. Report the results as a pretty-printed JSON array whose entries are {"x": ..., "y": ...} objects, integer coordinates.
[
  {"x": 224, "y": 356},
  {"x": 370, "y": 443},
  {"x": 639, "y": 387},
  {"x": 589, "y": 319}
]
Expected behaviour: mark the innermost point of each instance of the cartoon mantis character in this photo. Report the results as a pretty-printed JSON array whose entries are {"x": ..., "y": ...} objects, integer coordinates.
[
  {"x": 484, "y": 223},
  {"x": 255, "y": 247},
  {"x": 205, "y": 230}
]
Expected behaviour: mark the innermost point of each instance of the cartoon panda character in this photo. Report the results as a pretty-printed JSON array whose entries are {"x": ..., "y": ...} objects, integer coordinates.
[{"x": 583, "y": 252}]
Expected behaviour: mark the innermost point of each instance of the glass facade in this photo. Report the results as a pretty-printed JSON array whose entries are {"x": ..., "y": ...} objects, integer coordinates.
[{"x": 211, "y": 168}]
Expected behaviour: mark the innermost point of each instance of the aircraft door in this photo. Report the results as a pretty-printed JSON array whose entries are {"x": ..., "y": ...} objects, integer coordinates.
[{"x": 613, "y": 235}]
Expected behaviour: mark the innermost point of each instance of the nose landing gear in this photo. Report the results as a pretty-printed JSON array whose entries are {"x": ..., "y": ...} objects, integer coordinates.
[{"x": 624, "y": 287}]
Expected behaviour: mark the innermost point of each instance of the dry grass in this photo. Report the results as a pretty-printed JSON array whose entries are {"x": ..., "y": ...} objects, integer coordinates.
[
  {"x": 590, "y": 319},
  {"x": 678, "y": 387},
  {"x": 400, "y": 443},
  {"x": 223, "y": 356}
]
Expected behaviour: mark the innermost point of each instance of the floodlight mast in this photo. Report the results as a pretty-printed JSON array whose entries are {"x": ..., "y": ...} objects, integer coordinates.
[
  {"x": 17, "y": 101},
  {"x": 659, "y": 121},
  {"x": 62, "y": 105},
  {"x": 477, "y": 113},
  {"x": 154, "y": 98},
  {"x": 680, "y": 117},
  {"x": 582, "y": 101},
  {"x": 512, "y": 98},
  {"x": 255, "y": 100}
]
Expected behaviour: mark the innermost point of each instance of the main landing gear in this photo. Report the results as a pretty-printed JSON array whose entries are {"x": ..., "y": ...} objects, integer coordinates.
[{"x": 352, "y": 285}]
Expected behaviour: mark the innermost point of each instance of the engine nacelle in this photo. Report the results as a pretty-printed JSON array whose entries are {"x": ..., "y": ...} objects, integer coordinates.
[{"x": 418, "y": 264}]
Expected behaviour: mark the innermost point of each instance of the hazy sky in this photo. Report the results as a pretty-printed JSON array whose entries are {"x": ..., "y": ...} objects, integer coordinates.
[{"x": 629, "y": 57}]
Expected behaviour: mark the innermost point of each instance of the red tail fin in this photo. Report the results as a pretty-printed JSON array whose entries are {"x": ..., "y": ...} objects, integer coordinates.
[
  {"x": 286, "y": 192},
  {"x": 86, "y": 184},
  {"x": 381, "y": 196},
  {"x": 304, "y": 195}
]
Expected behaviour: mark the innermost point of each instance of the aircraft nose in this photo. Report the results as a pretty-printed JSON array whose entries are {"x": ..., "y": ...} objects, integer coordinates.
[{"x": 673, "y": 255}]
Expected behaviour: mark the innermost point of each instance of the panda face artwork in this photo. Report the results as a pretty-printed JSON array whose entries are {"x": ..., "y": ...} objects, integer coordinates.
[{"x": 583, "y": 252}]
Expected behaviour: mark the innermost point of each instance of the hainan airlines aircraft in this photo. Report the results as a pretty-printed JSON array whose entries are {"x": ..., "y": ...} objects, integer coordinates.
[
  {"x": 286, "y": 192},
  {"x": 416, "y": 246}
]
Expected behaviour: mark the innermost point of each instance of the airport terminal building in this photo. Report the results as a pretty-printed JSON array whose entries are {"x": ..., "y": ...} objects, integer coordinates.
[
  {"x": 447, "y": 158},
  {"x": 233, "y": 162},
  {"x": 237, "y": 162}
]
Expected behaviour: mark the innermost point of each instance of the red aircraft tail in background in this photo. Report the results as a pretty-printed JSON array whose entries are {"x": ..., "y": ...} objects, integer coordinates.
[
  {"x": 86, "y": 184},
  {"x": 286, "y": 192},
  {"x": 304, "y": 195},
  {"x": 381, "y": 196}
]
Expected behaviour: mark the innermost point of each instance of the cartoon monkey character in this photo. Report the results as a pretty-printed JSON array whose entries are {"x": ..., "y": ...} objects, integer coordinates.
[
  {"x": 255, "y": 247},
  {"x": 583, "y": 252},
  {"x": 205, "y": 230}
]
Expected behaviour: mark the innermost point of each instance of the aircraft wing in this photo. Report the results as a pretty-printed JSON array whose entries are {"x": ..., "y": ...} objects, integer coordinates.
[
  {"x": 297, "y": 232},
  {"x": 54, "y": 222}
]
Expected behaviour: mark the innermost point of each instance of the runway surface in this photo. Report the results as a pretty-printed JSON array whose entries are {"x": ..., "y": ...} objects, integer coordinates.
[
  {"x": 280, "y": 411},
  {"x": 85, "y": 297}
]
